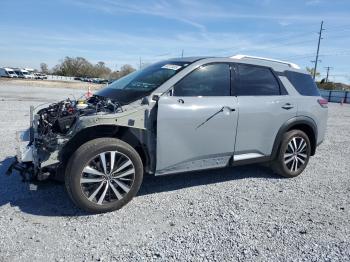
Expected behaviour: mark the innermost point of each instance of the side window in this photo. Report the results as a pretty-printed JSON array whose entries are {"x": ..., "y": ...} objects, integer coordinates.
[
  {"x": 256, "y": 81},
  {"x": 207, "y": 80},
  {"x": 303, "y": 83}
]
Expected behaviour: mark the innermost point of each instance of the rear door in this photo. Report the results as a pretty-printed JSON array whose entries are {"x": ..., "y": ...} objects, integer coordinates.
[
  {"x": 196, "y": 125},
  {"x": 264, "y": 106}
]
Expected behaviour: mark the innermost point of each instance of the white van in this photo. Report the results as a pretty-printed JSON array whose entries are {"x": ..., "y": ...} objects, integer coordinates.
[
  {"x": 7, "y": 72},
  {"x": 30, "y": 72},
  {"x": 22, "y": 73}
]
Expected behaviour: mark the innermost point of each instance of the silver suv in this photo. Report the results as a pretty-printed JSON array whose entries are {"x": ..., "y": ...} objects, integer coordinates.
[{"x": 175, "y": 116}]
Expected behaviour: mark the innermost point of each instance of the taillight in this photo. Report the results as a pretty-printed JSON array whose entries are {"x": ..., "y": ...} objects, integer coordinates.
[{"x": 323, "y": 102}]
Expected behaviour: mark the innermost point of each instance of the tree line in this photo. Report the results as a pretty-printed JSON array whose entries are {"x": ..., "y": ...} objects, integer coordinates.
[{"x": 81, "y": 67}]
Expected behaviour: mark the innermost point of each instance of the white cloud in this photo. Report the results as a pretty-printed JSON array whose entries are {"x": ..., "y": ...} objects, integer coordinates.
[
  {"x": 313, "y": 2},
  {"x": 284, "y": 23},
  {"x": 192, "y": 11},
  {"x": 162, "y": 9}
]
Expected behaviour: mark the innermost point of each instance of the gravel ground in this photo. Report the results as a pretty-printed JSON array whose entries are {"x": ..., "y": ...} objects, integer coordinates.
[{"x": 241, "y": 213}]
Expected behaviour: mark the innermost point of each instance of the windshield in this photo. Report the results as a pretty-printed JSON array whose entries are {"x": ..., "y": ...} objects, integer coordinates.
[
  {"x": 10, "y": 72},
  {"x": 25, "y": 73},
  {"x": 150, "y": 77},
  {"x": 141, "y": 83}
]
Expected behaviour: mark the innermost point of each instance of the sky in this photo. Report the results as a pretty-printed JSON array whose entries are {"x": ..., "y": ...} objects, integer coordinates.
[{"x": 125, "y": 32}]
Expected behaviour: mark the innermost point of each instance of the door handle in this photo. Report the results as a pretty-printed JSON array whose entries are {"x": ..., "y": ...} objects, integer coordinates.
[
  {"x": 180, "y": 101},
  {"x": 287, "y": 106}
]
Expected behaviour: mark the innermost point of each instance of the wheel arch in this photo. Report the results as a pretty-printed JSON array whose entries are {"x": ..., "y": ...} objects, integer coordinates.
[
  {"x": 133, "y": 136},
  {"x": 303, "y": 123}
]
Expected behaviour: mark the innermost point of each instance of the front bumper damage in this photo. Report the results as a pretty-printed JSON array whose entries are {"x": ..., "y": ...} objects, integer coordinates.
[
  {"x": 24, "y": 160},
  {"x": 42, "y": 149}
]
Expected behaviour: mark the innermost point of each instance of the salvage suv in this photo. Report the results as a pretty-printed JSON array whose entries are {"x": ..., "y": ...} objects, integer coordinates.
[{"x": 175, "y": 116}]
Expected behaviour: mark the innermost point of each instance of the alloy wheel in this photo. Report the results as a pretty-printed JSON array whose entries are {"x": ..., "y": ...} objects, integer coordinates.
[
  {"x": 107, "y": 177},
  {"x": 296, "y": 154}
]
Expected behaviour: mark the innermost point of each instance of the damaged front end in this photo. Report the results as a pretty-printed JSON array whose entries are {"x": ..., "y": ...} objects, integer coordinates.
[{"x": 52, "y": 127}]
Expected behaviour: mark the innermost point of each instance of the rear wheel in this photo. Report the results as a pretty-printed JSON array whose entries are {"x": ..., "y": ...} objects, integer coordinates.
[
  {"x": 293, "y": 155},
  {"x": 103, "y": 175}
]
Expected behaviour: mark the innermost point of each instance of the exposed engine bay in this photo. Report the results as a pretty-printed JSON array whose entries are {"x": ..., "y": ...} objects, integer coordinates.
[
  {"x": 59, "y": 117},
  {"x": 56, "y": 120}
]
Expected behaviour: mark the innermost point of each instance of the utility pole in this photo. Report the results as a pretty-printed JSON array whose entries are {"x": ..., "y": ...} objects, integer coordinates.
[
  {"x": 318, "y": 49},
  {"x": 140, "y": 62},
  {"x": 182, "y": 53},
  {"x": 328, "y": 68}
]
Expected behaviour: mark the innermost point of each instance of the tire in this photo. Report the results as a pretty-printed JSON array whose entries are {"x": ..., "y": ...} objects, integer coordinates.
[
  {"x": 103, "y": 175},
  {"x": 290, "y": 162}
]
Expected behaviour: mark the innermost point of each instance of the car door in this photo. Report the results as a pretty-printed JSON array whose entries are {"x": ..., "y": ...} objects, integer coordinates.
[
  {"x": 196, "y": 124},
  {"x": 264, "y": 106}
]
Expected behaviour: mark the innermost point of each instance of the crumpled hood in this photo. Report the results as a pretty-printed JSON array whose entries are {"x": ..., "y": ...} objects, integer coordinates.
[{"x": 122, "y": 96}]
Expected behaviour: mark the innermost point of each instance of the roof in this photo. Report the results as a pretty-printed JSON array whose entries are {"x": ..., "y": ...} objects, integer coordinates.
[
  {"x": 277, "y": 65},
  {"x": 245, "y": 57}
]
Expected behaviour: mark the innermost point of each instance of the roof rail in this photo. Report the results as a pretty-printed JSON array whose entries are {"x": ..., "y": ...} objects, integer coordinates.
[{"x": 292, "y": 65}]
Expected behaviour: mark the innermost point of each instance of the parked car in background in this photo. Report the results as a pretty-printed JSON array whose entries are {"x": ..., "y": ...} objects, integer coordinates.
[
  {"x": 99, "y": 81},
  {"x": 40, "y": 76},
  {"x": 8, "y": 72}
]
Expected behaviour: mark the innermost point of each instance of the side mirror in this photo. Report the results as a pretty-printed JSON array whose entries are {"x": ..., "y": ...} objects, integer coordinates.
[
  {"x": 145, "y": 101},
  {"x": 155, "y": 98},
  {"x": 171, "y": 92}
]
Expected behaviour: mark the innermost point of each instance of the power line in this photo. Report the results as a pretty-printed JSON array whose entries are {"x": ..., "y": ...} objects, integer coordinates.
[
  {"x": 318, "y": 49},
  {"x": 328, "y": 68}
]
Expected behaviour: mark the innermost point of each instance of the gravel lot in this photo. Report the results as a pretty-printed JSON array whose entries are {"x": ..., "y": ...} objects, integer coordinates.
[{"x": 242, "y": 213}]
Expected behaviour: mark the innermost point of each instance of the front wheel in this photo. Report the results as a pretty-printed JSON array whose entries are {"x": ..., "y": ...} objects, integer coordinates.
[
  {"x": 103, "y": 175},
  {"x": 293, "y": 155}
]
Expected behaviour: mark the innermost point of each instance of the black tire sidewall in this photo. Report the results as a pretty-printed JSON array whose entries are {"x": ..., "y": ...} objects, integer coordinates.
[
  {"x": 287, "y": 137},
  {"x": 83, "y": 155}
]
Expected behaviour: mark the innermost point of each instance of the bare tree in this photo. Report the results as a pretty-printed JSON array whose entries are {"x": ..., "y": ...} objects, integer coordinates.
[
  {"x": 101, "y": 70},
  {"x": 81, "y": 67},
  {"x": 74, "y": 66},
  {"x": 125, "y": 70},
  {"x": 44, "y": 68}
]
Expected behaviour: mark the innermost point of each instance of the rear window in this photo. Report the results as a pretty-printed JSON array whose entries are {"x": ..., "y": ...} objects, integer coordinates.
[{"x": 303, "y": 83}]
